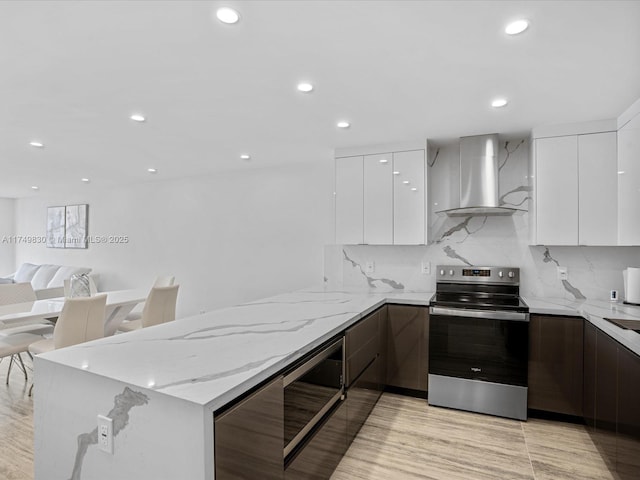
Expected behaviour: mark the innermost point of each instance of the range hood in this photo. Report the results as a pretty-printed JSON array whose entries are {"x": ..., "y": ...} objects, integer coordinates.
[{"x": 479, "y": 178}]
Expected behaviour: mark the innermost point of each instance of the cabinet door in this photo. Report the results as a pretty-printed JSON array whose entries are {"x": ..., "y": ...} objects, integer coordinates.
[
  {"x": 249, "y": 438},
  {"x": 628, "y": 440},
  {"x": 409, "y": 197},
  {"x": 598, "y": 189},
  {"x": 378, "y": 199},
  {"x": 407, "y": 345},
  {"x": 589, "y": 375},
  {"x": 362, "y": 397},
  {"x": 557, "y": 191},
  {"x": 606, "y": 397},
  {"x": 628, "y": 181},
  {"x": 349, "y": 200},
  {"x": 555, "y": 364}
]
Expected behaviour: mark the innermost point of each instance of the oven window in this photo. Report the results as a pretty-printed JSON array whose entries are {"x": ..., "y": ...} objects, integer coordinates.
[{"x": 479, "y": 349}]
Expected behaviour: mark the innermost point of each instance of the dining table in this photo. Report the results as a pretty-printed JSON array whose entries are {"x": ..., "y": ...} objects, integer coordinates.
[{"x": 118, "y": 305}]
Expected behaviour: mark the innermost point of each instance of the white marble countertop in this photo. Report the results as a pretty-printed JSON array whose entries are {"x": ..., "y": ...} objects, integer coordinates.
[{"x": 213, "y": 358}]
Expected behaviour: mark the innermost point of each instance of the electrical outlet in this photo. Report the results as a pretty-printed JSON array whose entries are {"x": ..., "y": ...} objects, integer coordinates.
[
  {"x": 105, "y": 434},
  {"x": 562, "y": 273},
  {"x": 370, "y": 267},
  {"x": 426, "y": 268}
]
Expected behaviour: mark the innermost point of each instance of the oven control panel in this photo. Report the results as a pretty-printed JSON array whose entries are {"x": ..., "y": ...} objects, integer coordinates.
[{"x": 464, "y": 274}]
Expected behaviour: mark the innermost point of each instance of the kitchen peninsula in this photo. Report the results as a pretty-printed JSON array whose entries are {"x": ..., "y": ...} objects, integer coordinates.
[{"x": 162, "y": 385}]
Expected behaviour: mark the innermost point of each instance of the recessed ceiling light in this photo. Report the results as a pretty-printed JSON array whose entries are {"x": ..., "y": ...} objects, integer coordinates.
[
  {"x": 34, "y": 187},
  {"x": 136, "y": 117},
  {"x": 406, "y": 182},
  {"x": 343, "y": 124},
  {"x": 152, "y": 170},
  {"x": 305, "y": 87},
  {"x": 499, "y": 102},
  {"x": 85, "y": 180},
  {"x": 414, "y": 189},
  {"x": 620, "y": 172},
  {"x": 396, "y": 173},
  {"x": 227, "y": 15},
  {"x": 37, "y": 144},
  {"x": 244, "y": 156},
  {"x": 516, "y": 27},
  {"x": 384, "y": 160}
]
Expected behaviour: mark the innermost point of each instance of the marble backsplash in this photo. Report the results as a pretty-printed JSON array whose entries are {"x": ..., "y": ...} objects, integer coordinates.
[{"x": 481, "y": 240}]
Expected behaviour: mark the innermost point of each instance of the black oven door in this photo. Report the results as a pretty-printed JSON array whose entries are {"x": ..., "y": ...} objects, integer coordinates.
[{"x": 490, "y": 346}]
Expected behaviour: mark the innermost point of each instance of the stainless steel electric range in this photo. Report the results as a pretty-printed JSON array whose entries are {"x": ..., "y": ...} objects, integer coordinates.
[{"x": 479, "y": 341}]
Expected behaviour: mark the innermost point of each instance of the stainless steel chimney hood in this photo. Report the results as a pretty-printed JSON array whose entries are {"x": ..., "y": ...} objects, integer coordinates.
[{"x": 479, "y": 179}]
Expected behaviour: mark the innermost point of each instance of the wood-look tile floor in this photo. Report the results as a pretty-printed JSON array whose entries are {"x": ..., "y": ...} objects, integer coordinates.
[
  {"x": 16, "y": 423},
  {"x": 403, "y": 438}
]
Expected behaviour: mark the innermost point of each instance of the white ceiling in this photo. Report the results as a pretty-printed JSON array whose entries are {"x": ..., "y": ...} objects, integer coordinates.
[{"x": 73, "y": 72}]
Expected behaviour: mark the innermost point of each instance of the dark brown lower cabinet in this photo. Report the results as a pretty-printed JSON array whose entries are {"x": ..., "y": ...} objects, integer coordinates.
[
  {"x": 322, "y": 453},
  {"x": 612, "y": 401},
  {"x": 606, "y": 397},
  {"x": 628, "y": 438},
  {"x": 589, "y": 375},
  {"x": 555, "y": 364},
  {"x": 249, "y": 437},
  {"x": 362, "y": 397},
  {"x": 362, "y": 345},
  {"x": 407, "y": 347}
]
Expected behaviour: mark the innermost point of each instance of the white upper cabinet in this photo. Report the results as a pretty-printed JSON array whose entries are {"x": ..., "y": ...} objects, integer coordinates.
[
  {"x": 598, "y": 189},
  {"x": 629, "y": 182},
  {"x": 575, "y": 185},
  {"x": 378, "y": 195},
  {"x": 372, "y": 204},
  {"x": 349, "y": 200},
  {"x": 409, "y": 198},
  {"x": 556, "y": 191}
]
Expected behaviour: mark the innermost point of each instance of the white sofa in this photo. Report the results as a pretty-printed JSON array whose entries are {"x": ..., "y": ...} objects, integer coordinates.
[{"x": 46, "y": 280}]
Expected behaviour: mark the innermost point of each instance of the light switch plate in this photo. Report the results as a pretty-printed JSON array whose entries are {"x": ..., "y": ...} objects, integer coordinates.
[
  {"x": 426, "y": 268},
  {"x": 562, "y": 273},
  {"x": 370, "y": 267}
]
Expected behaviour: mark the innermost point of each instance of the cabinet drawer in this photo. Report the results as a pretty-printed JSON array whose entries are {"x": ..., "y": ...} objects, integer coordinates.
[
  {"x": 257, "y": 421},
  {"x": 319, "y": 457},
  {"x": 358, "y": 361},
  {"x": 361, "y": 333}
]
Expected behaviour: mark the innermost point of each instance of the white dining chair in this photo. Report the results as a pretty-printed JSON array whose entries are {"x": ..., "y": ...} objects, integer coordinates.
[
  {"x": 16, "y": 293},
  {"x": 160, "y": 307},
  {"x": 12, "y": 293},
  {"x": 13, "y": 346},
  {"x": 164, "y": 281},
  {"x": 160, "y": 281},
  {"x": 81, "y": 320}
]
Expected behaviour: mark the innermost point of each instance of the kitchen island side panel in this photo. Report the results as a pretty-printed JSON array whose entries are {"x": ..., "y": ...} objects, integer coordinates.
[{"x": 156, "y": 436}]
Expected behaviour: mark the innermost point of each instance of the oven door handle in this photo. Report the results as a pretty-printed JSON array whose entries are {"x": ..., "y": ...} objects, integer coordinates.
[{"x": 488, "y": 314}]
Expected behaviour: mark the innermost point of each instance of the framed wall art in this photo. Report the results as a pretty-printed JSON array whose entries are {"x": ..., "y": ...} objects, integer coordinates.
[{"x": 67, "y": 227}]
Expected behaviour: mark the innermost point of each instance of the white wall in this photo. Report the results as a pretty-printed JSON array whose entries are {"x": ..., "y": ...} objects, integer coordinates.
[
  {"x": 227, "y": 238},
  {"x": 7, "y": 230}
]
